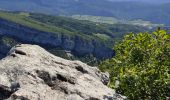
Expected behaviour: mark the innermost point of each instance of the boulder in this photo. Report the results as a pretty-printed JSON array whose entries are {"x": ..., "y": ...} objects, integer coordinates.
[{"x": 31, "y": 73}]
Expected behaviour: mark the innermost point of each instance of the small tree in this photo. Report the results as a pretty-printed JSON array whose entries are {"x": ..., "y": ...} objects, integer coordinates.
[{"x": 141, "y": 66}]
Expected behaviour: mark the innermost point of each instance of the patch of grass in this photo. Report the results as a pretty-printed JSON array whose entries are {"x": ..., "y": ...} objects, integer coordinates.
[
  {"x": 102, "y": 36},
  {"x": 26, "y": 21}
]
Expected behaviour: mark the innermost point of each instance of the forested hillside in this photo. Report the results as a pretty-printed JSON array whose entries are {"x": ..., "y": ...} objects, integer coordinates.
[{"x": 60, "y": 35}]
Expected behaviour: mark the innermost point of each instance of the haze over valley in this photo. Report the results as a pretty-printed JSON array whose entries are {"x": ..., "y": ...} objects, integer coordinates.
[{"x": 119, "y": 9}]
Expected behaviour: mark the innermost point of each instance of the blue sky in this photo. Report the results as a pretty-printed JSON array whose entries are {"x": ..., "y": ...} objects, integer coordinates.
[{"x": 154, "y": 1}]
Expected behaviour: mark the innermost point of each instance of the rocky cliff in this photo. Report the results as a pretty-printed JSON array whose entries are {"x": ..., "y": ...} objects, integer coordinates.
[
  {"x": 31, "y": 73},
  {"x": 76, "y": 44}
]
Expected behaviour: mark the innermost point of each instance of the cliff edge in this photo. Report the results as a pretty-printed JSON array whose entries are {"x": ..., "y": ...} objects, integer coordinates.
[{"x": 31, "y": 73}]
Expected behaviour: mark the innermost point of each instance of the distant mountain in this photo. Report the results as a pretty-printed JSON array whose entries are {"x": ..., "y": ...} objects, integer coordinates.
[{"x": 129, "y": 10}]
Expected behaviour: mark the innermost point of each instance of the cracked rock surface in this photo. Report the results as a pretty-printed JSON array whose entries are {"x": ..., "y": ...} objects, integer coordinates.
[{"x": 31, "y": 73}]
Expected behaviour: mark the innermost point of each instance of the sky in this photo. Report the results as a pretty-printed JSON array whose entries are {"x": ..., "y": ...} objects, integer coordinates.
[{"x": 151, "y": 1}]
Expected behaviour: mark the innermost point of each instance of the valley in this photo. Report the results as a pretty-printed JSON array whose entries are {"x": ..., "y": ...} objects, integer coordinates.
[
  {"x": 156, "y": 12},
  {"x": 81, "y": 38},
  {"x": 84, "y": 49}
]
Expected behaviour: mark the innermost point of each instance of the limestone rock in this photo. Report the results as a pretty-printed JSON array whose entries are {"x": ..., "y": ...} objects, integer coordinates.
[{"x": 31, "y": 73}]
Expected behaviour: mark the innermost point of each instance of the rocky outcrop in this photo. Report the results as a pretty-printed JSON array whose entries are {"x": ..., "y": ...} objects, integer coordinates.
[
  {"x": 76, "y": 44},
  {"x": 31, "y": 73}
]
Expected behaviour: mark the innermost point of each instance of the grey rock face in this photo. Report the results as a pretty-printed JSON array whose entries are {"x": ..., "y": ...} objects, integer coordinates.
[
  {"x": 31, "y": 73},
  {"x": 78, "y": 45}
]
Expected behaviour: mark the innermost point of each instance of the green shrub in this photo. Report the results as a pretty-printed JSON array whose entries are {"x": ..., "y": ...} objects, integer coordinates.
[{"x": 140, "y": 69}]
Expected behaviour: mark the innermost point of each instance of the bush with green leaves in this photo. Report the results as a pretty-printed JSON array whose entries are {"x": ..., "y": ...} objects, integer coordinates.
[{"x": 140, "y": 68}]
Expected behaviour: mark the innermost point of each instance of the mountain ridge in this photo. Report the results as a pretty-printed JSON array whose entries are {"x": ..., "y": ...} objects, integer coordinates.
[{"x": 124, "y": 10}]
